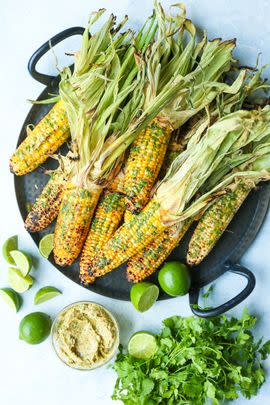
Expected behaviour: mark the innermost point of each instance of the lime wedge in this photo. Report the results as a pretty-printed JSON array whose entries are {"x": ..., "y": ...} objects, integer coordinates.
[
  {"x": 142, "y": 345},
  {"x": 144, "y": 295},
  {"x": 10, "y": 244},
  {"x": 12, "y": 299},
  {"x": 17, "y": 281},
  {"x": 46, "y": 294},
  {"x": 46, "y": 245},
  {"x": 22, "y": 261}
]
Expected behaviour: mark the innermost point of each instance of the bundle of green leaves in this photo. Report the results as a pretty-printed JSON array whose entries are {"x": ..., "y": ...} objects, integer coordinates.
[{"x": 198, "y": 361}]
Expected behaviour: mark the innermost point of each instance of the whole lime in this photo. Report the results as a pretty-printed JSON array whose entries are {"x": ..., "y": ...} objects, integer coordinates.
[
  {"x": 174, "y": 278},
  {"x": 35, "y": 328}
]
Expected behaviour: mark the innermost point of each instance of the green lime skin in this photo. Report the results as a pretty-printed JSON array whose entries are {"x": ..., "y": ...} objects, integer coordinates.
[
  {"x": 35, "y": 328},
  {"x": 174, "y": 278},
  {"x": 10, "y": 244},
  {"x": 144, "y": 295}
]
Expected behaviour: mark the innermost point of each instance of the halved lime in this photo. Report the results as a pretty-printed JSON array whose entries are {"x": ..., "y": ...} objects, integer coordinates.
[
  {"x": 144, "y": 295},
  {"x": 22, "y": 260},
  {"x": 46, "y": 245},
  {"x": 12, "y": 299},
  {"x": 17, "y": 281},
  {"x": 10, "y": 244},
  {"x": 142, "y": 345},
  {"x": 35, "y": 327},
  {"x": 174, "y": 278},
  {"x": 45, "y": 294}
]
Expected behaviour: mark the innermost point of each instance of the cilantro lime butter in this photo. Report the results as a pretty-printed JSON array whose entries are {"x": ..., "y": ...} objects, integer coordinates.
[{"x": 85, "y": 335}]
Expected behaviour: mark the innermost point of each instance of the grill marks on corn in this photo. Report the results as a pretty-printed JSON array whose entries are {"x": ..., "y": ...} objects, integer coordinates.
[
  {"x": 144, "y": 163},
  {"x": 214, "y": 222},
  {"x": 73, "y": 222},
  {"x": 146, "y": 262},
  {"x": 107, "y": 218},
  {"x": 47, "y": 205},
  {"x": 47, "y": 136},
  {"x": 130, "y": 238}
]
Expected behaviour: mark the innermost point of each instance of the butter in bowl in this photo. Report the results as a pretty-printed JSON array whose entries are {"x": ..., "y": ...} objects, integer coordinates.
[{"x": 85, "y": 335}]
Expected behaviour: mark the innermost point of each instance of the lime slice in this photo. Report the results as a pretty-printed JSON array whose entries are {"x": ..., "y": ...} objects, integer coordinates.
[
  {"x": 10, "y": 244},
  {"x": 174, "y": 278},
  {"x": 46, "y": 294},
  {"x": 17, "y": 281},
  {"x": 142, "y": 345},
  {"x": 12, "y": 299},
  {"x": 35, "y": 328},
  {"x": 22, "y": 261},
  {"x": 46, "y": 245},
  {"x": 143, "y": 295}
]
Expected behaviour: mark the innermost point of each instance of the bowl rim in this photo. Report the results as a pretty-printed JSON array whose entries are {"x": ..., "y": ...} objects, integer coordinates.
[{"x": 115, "y": 345}]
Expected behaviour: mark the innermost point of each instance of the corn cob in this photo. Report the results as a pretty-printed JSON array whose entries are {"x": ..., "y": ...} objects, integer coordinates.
[
  {"x": 129, "y": 239},
  {"x": 73, "y": 222},
  {"x": 128, "y": 216},
  {"x": 46, "y": 206},
  {"x": 214, "y": 222},
  {"x": 144, "y": 163},
  {"x": 107, "y": 218},
  {"x": 47, "y": 136},
  {"x": 145, "y": 263}
]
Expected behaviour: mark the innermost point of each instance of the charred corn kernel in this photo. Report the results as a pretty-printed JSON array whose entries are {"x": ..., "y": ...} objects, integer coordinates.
[
  {"x": 73, "y": 222},
  {"x": 46, "y": 207},
  {"x": 129, "y": 239},
  {"x": 144, "y": 163},
  {"x": 145, "y": 263},
  {"x": 47, "y": 136},
  {"x": 128, "y": 216},
  {"x": 108, "y": 215},
  {"x": 213, "y": 223}
]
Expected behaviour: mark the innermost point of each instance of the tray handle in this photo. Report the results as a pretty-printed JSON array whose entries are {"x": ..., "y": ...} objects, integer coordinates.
[
  {"x": 233, "y": 268},
  {"x": 41, "y": 77}
]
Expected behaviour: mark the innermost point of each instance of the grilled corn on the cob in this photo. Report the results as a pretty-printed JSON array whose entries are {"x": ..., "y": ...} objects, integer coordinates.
[
  {"x": 46, "y": 206},
  {"x": 73, "y": 222},
  {"x": 47, "y": 136},
  {"x": 214, "y": 222},
  {"x": 106, "y": 220},
  {"x": 145, "y": 263},
  {"x": 144, "y": 163},
  {"x": 129, "y": 239}
]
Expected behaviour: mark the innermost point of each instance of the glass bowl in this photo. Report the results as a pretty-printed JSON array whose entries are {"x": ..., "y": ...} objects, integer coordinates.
[{"x": 57, "y": 346}]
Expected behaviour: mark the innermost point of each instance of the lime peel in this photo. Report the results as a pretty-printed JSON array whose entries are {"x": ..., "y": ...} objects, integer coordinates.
[
  {"x": 46, "y": 245},
  {"x": 22, "y": 260},
  {"x": 10, "y": 244},
  {"x": 46, "y": 294},
  {"x": 143, "y": 295},
  {"x": 17, "y": 281},
  {"x": 12, "y": 299}
]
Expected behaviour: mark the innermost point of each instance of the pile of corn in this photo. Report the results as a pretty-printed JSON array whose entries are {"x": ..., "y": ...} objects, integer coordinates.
[{"x": 119, "y": 221}]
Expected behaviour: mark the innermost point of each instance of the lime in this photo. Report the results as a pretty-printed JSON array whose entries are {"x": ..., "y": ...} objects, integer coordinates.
[
  {"x": 144, "y": 295},
  {"x": 142, "y": 345},
  {"x": 46, "y": 245},
  {"x": 10, "y": 244},
  {"x": 174, "y": 278},
  {"x": 17, "y": 281},
  {"x": 45, "y": 294},
  {"x": 22, "y": 261},
  {"x": 35, "y": 327},
  {"x": 12, "y": 299}
]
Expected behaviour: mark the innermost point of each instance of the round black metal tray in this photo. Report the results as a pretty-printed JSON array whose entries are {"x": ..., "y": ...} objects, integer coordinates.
[{"x": 224, "y": 257}]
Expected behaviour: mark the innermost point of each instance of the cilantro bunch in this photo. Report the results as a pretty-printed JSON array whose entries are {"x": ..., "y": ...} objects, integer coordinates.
[{"x": 198, "y": 361}]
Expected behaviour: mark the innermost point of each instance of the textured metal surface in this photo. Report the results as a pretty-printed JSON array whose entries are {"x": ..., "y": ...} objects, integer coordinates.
[{"x": 231, "y": 246}]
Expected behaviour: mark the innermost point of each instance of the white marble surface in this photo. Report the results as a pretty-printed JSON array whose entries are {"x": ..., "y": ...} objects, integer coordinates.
[{"x": 32, "y": 374}]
